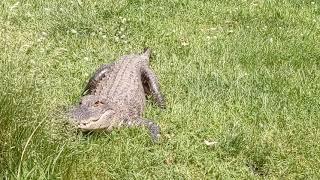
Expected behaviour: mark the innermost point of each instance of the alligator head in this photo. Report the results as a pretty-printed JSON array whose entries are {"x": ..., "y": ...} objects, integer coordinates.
[{"x": 90, "y": 109}]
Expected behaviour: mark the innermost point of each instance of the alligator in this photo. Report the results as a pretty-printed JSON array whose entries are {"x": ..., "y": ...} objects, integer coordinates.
[{"x": 115, "y": 96}]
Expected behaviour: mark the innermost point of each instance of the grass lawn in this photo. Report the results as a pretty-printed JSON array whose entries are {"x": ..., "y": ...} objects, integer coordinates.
[{"x": 241, "y": 79}]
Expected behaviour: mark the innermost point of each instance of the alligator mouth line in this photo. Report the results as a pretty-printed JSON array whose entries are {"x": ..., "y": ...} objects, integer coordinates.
[{"x": 105, "y": 117}]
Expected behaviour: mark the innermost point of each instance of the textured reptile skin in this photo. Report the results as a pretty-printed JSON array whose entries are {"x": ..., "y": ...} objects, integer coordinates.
[{"x": 116, "y": 96}]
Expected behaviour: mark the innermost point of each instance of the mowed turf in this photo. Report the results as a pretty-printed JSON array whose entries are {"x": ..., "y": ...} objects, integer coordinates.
[{"x": 241, "y": 80}]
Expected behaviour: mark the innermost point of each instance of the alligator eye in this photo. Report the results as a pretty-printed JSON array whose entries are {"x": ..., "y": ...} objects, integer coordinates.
[{"x": 97, "y": 103}]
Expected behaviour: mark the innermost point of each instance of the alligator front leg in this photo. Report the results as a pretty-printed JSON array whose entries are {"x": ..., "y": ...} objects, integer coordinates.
[
  {"x": 97, "y": 76},
  {"x": 152, "y": 82},
  {"x": 153, "y": 128}
]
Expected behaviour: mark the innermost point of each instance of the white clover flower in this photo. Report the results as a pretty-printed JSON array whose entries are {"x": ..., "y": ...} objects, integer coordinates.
[
  {"x": 44, "y": 33},
  {"x": 210, "y": 142},
  {"x": 184, "y": 43},
  {"x": 271, "y": 40}
]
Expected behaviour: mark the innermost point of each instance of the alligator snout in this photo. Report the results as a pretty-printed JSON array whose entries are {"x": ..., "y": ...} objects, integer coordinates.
[{"x": 83, "y": 115}]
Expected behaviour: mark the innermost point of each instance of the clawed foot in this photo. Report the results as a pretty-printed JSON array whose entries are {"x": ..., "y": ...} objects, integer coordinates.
[{"x": 155, "y": 133}]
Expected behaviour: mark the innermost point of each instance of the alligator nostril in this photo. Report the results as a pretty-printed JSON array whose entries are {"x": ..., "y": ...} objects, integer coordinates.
[{"x": 83, "y": 124}]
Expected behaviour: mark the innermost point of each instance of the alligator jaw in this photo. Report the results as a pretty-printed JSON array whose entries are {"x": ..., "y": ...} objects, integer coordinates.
[{"x": 105, "y": 121}]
